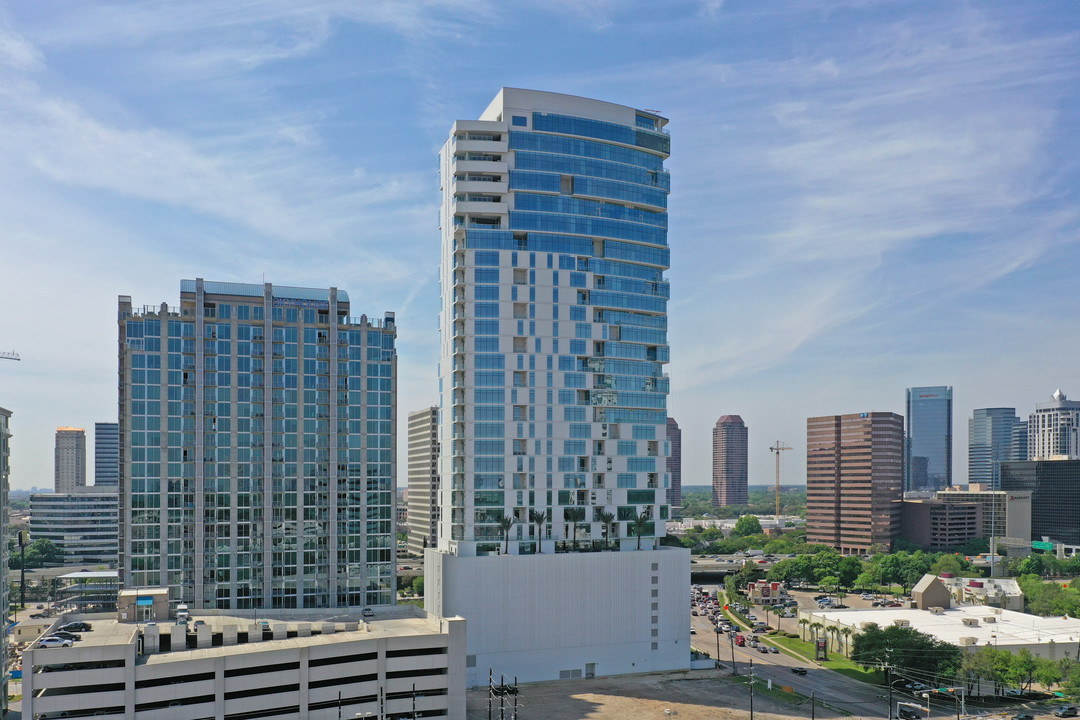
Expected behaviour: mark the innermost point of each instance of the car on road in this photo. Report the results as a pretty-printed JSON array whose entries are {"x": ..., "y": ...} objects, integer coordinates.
[
  {"x": 763, "y": 649},
  {"x": 909, "y": 714},
  {"x": 740, "y": 640},
  {"x": 774, "y": 649},
  {"x": 52, "y": 642},
  {"x": 1066, "y": 711},
  {"x": 799, "y": 670},
  {"x": 1023, "y": 716}
]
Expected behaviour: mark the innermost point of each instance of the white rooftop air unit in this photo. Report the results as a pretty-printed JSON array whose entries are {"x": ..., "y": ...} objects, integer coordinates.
[
  {"x": 970, "y": 622},
  {"x": 967, "y": 641},
  {"x": 990, "y": 619},
  {"x": 901, "y": 622},
  {"x": 937, "y": 610}
]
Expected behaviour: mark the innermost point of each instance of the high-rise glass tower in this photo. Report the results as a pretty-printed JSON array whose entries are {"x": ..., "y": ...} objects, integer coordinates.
[
  {"x": 928, "y": 444},
  {"x": 730, "y": 475},
  {"x": 1054, "y": 429},
  {"x": 554, "y": 323},
  {"x": 553, "y": 396},
  {"x": 990, "y": 432},
  {"x": 674, "y": 464},
  {"x": 106, "y": 454},
  {"x": 257, "y": 448},
  {"x": 5, "y": 471}
]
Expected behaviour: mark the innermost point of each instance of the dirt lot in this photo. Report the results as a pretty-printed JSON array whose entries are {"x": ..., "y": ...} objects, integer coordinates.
[{"x": 693, "y": 695}]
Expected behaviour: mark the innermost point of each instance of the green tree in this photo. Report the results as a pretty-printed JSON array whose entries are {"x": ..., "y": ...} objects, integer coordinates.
[
  {"x": 867, "y": 581},
  {"x": 905, "y": 648},
  {"x": 574, "y": 516},
  {"x": 848, "y": 570},
  {"x": 607, "y": 519},
  {"x": 950, "y": 564},
  {"x": 538, "y": 518},
  {"x": 418, "y": 586},
  {"x": 505, "y": 523},
  {"x": 746, "y": 525},
  {"x": 641, "y": 521}
]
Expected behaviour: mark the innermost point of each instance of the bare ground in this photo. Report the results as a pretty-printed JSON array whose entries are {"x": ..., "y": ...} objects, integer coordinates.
[{"x": 693, "y": 695}]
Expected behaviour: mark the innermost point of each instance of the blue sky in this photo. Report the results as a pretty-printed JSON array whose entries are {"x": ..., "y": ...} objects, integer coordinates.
[{"x": 865, "y": 195}]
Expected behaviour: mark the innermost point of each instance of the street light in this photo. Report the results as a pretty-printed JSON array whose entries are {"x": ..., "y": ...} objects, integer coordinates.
[{"x": 717, "y": 629}]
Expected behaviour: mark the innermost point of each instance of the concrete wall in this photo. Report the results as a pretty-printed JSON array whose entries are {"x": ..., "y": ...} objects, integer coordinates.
[{"x": 539, "y": 617}]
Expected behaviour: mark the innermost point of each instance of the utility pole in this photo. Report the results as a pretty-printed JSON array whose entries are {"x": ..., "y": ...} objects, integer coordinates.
[
  {"x": 777, "y": 449},
  {"x": 22, "y": 568},
  {"x": 734, "y": 670},
  {"x": 751, "y": 688},
  {"x": 888, "y": 681},
  {"x": 813, "y": 705}
]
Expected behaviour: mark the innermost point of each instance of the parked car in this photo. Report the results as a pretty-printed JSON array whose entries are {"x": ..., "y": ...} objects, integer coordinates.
[
  {"x": 73, "y": 637},
  {"x": 78, "y": 627},
  {"x": 1066, "y": 711},
  {"x": 693, "y": 612},
  {"x": 692, "y": 630},
  {"x": 799, "y": 670},
  {"x": 909, "y": 714},
  {"x": 1023, "y": 716},
  {"x": 368, "y": 612},
  {"x": 52, "y": 642}
]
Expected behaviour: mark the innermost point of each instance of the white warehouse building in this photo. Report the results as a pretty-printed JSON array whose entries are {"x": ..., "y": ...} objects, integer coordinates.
[{"x": 293, "y": 665}]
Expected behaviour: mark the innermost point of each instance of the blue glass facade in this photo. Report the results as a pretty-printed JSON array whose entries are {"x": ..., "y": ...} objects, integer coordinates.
[
  {"x": 990, "y": 432},
  {"x": 928, "y": 444},
  {"x": 554, "y": 322},
  {"x": 257, "y": 449}
]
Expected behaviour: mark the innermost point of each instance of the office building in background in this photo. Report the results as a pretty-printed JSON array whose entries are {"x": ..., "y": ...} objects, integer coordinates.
[
  {"x": 69, "y": 459},
  {"x": 553, "y": 396},
  {"x": 423, "y": 493},
  {"x": 928, "y": 445},
  {"x": 1055, "y": 496},
  {"x": 730, "y": 474},
  {"x": 83, "y": 523},
  {"x": 1001, "y": 513},
  {"x": 674, "y": 466},
  {"x": 854, "y": 481},
  {"x": 990, "y": 434},
  {"x": 1054, "y": 429},
  {"x": 106, "y": 454},
  {"x": 257, "y": 448},
  {"x": 1018, "y": 446}
]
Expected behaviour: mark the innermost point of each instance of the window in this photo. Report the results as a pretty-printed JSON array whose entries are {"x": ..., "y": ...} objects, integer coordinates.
[{"x": 519, "y": 121}]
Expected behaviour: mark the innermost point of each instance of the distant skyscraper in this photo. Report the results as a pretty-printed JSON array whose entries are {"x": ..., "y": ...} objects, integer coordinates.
[
  {"x": 928, "y": 446},
  {"x": 5, "y": 472},
  {"x": 1018, "y": 446},
  {"x": 854, "y": 478},
  {"x": 553, "y": 396},
  {"x": 69, "y": 459},
  {"x": 674, "y": 463},
  {"x": 423, "y": 479},
  {"x": 1054, "y": 429},
  {"x": 990, "y": 433},
  {"x": 730, "y": 476},
  {"x": 106, "y": 454},
  {"x": 257, "y": 448}
]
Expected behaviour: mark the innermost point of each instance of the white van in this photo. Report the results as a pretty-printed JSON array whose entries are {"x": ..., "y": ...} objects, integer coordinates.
[{"x": 182, "y": 613}]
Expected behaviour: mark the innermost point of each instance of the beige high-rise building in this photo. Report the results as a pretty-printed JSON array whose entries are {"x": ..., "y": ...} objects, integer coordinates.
[
  {"x": 69, "y": 469},
  {"x": 730, "y": 476},
  {"x": 423, "y": 479},
  {"x": 854, "y": 480}
]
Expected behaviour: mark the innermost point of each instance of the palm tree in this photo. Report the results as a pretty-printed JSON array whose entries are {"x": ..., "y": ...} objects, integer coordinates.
[
  {"x": 538, "y": 518},
  {"x": 814, "y": 627},
  {"x": 846, "y": 632},
  {"x": 640, "y": 521},
  {"x": 574, "y": 516},
  {"x": 607, "y": 518},
  {"x": 505, "y": 523},
  {"x": 803, "y": 622}
]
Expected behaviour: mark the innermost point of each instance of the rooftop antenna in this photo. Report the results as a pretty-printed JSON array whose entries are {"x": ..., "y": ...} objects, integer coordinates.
[
  {"x": 10, "y": 355},
  {"x": 777, "y": 449}
]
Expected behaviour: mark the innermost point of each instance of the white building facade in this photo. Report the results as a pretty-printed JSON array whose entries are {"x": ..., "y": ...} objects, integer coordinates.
[
  {"x": 1054, "y": 429},
  {"x": 552, "y": 389},
  {"x": 83, "y": 523}
]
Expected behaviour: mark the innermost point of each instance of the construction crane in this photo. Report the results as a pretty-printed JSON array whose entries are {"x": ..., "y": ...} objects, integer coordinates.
[
  {"x": 9, "y": 356},
  {"x": 777, "y": 449}
]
